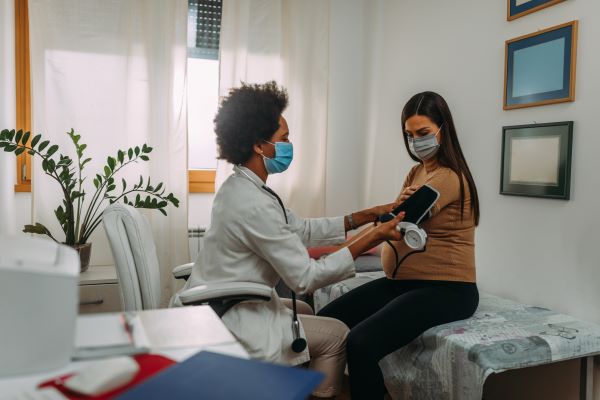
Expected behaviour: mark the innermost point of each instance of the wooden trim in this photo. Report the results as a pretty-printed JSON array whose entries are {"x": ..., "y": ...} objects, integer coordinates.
[
  {"x": 571, "y": 97},
  {"x": 532, "y": 10},
  {"x": 23, "y": 90},
  {"x": 201, "y": 180}
]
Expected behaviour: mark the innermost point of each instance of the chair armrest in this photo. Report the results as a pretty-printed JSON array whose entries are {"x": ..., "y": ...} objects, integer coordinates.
[
  {"x": 183, "y": 271},
  {"x": 221, "y": 291}
]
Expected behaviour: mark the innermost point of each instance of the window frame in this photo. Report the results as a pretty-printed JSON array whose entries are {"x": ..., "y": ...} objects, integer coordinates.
[{"x": 23, "y": 90}]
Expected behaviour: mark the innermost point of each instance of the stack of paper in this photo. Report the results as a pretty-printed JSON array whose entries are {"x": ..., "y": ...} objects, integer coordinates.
[{"x": 120, "y": 334}]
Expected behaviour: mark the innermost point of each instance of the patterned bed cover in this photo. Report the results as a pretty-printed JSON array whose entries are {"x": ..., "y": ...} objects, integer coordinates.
[{"x": 452, "y": 361}]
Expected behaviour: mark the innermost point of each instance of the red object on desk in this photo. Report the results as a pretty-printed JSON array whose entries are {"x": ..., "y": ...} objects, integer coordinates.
[{"x": 149, "y": 364}]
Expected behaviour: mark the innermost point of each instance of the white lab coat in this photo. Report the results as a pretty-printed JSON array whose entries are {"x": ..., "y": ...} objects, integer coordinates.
[{"x": 248, "y": 240}]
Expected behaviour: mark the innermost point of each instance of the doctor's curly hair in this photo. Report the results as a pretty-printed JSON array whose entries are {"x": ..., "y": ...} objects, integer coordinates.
[{"x": 247, "y": 116}]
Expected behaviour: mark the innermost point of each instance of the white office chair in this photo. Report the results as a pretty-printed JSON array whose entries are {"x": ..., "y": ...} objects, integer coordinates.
[{"x": 133, "y": 249}]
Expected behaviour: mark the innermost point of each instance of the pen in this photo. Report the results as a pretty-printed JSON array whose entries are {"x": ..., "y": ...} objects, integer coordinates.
[{"x": 128, "y": 323}]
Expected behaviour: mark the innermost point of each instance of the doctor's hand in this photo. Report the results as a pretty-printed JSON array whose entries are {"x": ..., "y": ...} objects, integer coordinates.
[
  {"x": 387, "y": 230},
  {"x": 359, "y": 218},
  {"x": 375, "y": 236},
  {"x": 378, "y": 211}
]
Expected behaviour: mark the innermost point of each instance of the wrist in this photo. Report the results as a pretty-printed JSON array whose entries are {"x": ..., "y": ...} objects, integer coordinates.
[{"x": 351, "y": 222}]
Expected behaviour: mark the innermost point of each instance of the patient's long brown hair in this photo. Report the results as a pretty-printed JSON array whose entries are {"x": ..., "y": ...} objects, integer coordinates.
[{"x": 450, "y": 155}]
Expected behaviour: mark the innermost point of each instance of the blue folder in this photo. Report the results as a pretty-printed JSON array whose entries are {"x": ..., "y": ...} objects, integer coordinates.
[{"x": 214, "y": 376}]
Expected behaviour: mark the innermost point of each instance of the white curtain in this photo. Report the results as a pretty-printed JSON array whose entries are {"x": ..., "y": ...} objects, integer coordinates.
[
  {"x": 115, "y": 72},
  {"x": 7, "y": 115},
  {"x": 286, "y": 41}
]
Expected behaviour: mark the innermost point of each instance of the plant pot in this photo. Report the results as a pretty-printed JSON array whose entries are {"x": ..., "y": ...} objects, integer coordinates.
[{"x": 84, "y": 250}]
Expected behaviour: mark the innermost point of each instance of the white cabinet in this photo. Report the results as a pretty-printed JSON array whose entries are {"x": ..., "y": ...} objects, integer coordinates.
[{"x": 99, "y": 290}]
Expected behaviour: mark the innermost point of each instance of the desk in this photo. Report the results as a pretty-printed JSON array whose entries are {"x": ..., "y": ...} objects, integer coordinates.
[
  {"x": 216, "y": 336},
  {"x": 99, "y": 290}
]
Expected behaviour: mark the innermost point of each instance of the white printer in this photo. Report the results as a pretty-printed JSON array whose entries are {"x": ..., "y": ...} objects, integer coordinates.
[{"x": 38, "y": 304}]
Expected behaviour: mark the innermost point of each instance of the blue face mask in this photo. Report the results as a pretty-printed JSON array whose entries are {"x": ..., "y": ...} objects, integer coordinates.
[{"x": 284, "y": 154}]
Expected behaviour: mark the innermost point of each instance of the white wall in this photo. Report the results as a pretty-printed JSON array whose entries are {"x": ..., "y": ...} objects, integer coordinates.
[
  {"x": 538, "y": 251},
  {"x": 200, "y": 206}
]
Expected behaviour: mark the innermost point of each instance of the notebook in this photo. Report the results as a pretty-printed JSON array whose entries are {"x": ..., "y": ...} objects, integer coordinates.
[
  {"x": 121, "y": 334},
  {"x": 208, "y": 375}
]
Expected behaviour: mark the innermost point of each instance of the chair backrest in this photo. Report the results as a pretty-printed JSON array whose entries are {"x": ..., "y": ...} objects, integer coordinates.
[{"x": 132, "y": 244}]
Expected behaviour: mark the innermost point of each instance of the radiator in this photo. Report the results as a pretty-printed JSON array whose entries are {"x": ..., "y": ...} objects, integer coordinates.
[{"x": 195, "y": 240}]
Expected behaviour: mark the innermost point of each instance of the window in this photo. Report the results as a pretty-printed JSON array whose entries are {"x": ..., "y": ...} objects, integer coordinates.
[
  {"x": 204, "y": 25},
  {"x": 23, "y": 92}
]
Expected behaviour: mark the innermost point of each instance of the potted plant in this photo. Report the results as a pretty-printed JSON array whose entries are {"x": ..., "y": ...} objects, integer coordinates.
[{"x": 77, "y": 218}]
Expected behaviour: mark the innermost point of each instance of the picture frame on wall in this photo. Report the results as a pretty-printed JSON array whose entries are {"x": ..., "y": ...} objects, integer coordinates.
[
  {"x": 536, "y": 160},
  {"x": 520, "y": 8},
  {"x": 539, "y": 68}
]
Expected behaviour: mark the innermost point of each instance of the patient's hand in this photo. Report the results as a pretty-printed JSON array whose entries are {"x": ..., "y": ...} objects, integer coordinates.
[{"x": 407, "y": 192}]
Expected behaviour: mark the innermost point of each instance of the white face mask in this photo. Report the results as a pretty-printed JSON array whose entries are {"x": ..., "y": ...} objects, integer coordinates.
[{"x": 424, "y": 147}]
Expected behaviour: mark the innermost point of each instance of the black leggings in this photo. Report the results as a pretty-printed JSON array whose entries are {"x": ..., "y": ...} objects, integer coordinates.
[{"x": 384, "y": 315}]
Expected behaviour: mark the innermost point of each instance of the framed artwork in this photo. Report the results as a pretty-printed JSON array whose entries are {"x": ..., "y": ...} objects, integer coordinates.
[
  {"x": 536, "y": 160},
  {"x": 539, "y": 68},
  {"x": 519, "y": 8}
]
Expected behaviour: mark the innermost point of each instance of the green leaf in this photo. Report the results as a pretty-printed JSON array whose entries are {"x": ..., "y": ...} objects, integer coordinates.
[
  {"x": 19, "y": 151},
  {"x": 31, "y": 152},
  {"x": 145, "y": 158},
  {"x": 10, "y": 147},
  {"x": 96, "y": 183},
  {"x": 52, "y": 150},
  {"x": 51, "y": 166},
  {"x": 141, "y": 182},
  {"x": 99, "y": 177},
  {"x": 125, "y": 200},
  {"x": 3, "y": 144},
  {"x": 124, "y": 184},
  {"x": 43, "y": 145},
  {"x": 35, "y": 140},
  {"x": 45, "y": 165},
  {"x": 137, "y": 150},
  {"x": 121, "y": 156},
  {"x": 106, "y": 171},
  {"x": 130, "y": 153},
  {"x": 25, "y": 138},
  {"x": 3, "y": 134},
  {"x": 163, "y": 211},
  {"x": 82, "y": 148},
  {"x": 11, "y": 134},
  {"x": 149, "y": 149},
  {"x": 111, "y": 163},
  {"x": 110, "y": 188},
  {"x": 38, "y": 229},
  {"x": 158, "y": 187},
  {"x": 19, "y": 136},
  {"x": 87, "y": 160}
]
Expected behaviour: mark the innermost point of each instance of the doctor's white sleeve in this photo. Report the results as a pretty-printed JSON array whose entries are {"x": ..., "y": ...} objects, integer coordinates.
[
  {"x": 317, "y": 231},
  {"x": 276, "y": 242}
]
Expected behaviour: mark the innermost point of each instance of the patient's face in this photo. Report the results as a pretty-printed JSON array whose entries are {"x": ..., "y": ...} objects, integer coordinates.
[{"x": 420, "y": 125}]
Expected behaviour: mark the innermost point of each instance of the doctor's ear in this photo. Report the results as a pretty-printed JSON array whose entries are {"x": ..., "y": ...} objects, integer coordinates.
[{"x": 257, "y": 147}]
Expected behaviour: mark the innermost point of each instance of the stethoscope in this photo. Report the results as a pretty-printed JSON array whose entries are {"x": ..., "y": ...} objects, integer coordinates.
[{"x": 299, "y": 343}]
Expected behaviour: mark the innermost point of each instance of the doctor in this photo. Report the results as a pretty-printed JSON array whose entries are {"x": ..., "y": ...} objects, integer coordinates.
[{"x": 253, "y": 238}]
